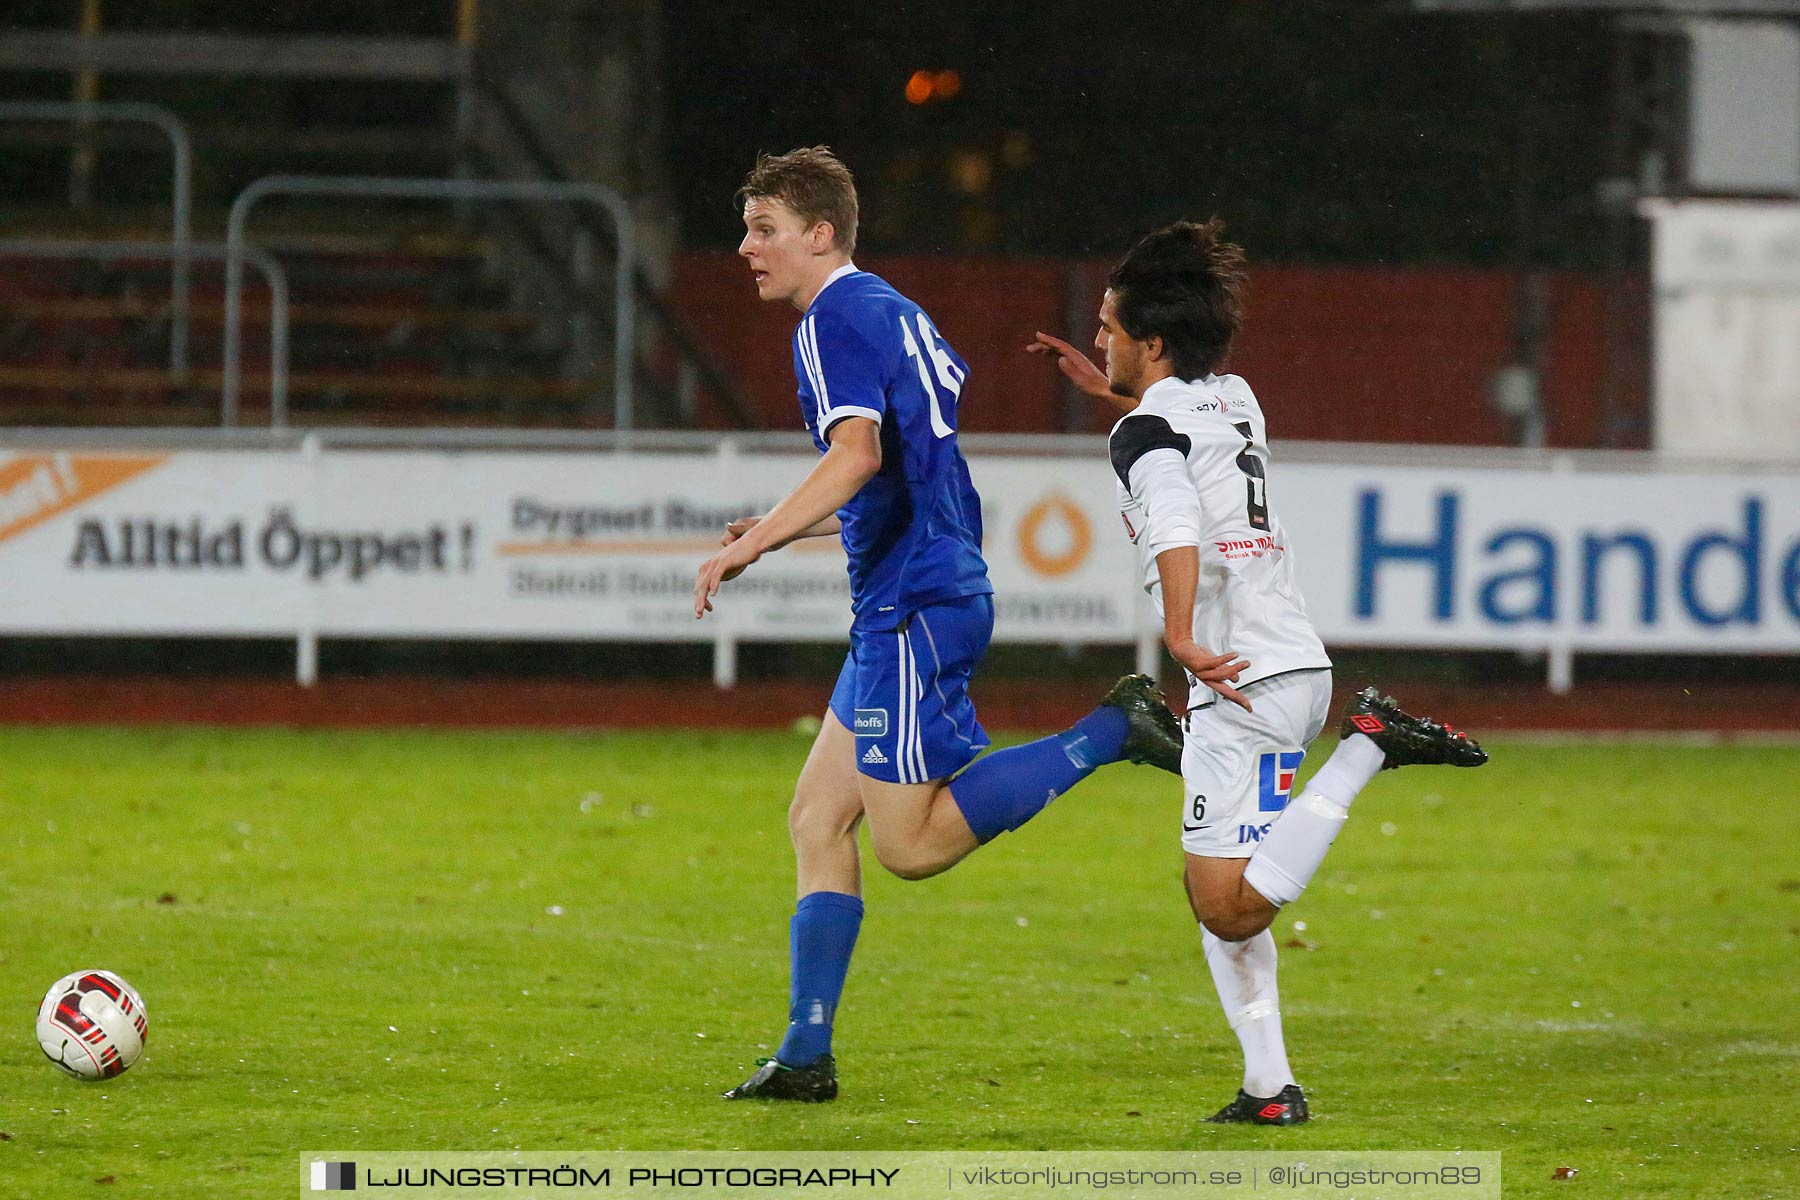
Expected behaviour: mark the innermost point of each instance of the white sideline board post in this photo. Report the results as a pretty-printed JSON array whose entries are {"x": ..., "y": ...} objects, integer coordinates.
[
  {"x": 725, "y": 662},
  {"x": 306, "y": 658},
  {"x": 1560, "y": 669}
]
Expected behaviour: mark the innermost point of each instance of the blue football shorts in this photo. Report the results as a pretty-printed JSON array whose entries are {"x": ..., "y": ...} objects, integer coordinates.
[{"x": 904, "y": 692}]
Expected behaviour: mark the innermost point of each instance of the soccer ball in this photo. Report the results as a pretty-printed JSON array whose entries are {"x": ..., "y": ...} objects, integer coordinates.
[{"x": 92, "y": 1024}]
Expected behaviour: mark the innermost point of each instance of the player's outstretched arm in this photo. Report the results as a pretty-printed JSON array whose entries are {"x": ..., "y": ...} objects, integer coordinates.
[
  {"x": 1079, "y": 370},
  {"x": 852, "y": 460},
  {"x": 829, "y": 527},
  {"x": 1179, "y": 567}
]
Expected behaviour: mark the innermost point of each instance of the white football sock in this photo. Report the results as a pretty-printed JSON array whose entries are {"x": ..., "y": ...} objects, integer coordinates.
[
  {"x": 1291, "y": 852},
  {"x": 1244, "y": 974}
]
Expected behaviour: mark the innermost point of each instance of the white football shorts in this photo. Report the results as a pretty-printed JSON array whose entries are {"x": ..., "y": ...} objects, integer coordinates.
[{"x": 1237, "y": 767}]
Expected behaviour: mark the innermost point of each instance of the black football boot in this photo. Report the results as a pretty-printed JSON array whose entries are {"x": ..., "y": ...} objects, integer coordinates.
[
  {"x": 1286, "y": 1107},
  {"x": 1153, "y": 735},
  {"x": 1405, "y": 739},
  {"x": 814, "y": 1083}
]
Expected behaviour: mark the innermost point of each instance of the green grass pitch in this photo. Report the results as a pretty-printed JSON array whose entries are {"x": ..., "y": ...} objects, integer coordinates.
[{"x": 1581, "y": 955}]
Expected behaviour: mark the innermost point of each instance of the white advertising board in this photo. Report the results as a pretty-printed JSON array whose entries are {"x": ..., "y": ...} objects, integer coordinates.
[
  {"x": 1727, "y": 328},
  {"x": 1603, "y": 560},
  {"x": 600, "y": 546},
  {"x": 605, "y": 546}
]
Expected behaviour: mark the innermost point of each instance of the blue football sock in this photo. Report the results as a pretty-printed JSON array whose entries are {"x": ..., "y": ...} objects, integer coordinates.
[
  {"x": 1096, "y": 739},
  {"x": 1009, "y": 787},
  {"x": 820, "y": 939}
]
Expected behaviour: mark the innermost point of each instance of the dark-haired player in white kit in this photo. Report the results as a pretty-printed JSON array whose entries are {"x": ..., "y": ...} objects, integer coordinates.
[{"x": 1191, "y": 462}]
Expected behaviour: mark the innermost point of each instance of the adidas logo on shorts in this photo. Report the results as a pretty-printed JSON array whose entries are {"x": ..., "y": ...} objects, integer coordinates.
[{"x": 875, "y": 755}]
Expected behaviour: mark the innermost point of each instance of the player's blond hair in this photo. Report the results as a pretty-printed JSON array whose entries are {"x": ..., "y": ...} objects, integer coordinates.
[{"x": 811, "y": 181}]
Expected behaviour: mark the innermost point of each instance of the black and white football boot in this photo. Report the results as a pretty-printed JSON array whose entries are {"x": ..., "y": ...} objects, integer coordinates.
[
  {"x": 814, "y": 1083},
  {"x": 1407, "y": 740}
]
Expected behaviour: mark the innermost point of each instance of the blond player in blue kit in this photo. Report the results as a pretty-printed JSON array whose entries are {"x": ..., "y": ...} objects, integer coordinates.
[
  {"x": 1191, "y": 458},
  {"x": 879, "y": 388}
]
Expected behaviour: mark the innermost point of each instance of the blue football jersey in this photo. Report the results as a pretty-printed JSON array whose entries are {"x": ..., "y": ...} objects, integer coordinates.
[{"x": 913, "y": 533}]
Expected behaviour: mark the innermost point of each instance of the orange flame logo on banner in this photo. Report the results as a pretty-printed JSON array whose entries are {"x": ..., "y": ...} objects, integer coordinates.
[{"x": 36, "y": 487}]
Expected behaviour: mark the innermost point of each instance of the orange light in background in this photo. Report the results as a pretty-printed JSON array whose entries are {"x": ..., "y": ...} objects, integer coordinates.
[{"x": 922, "y": 87}]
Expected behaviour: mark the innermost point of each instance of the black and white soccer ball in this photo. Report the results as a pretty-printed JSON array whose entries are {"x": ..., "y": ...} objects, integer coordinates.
[{"x": 92, "y": 1024}]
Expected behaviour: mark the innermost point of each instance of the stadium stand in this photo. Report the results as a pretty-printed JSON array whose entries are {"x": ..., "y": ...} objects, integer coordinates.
[{"x": 458, "y": 314}]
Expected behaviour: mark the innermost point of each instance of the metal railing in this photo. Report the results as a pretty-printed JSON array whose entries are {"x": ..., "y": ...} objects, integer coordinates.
[
  {"x": 696, "y": 365},
  {"x": 213, "y": 251},
  {"x": 376, "y": 187},
  {"x": 180, "y": 201}
]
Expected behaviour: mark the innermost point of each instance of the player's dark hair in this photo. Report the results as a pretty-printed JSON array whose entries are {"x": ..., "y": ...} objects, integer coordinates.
[
  {"x": 814, "y": 183},
  {"x": 1185, "y": 284}
]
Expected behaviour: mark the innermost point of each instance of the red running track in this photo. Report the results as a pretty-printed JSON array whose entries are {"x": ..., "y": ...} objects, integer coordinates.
[{"x": 395, "y": 702}]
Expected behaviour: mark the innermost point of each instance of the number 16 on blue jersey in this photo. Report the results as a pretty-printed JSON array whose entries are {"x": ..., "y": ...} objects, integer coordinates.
[{"x": 943, "y": 393}]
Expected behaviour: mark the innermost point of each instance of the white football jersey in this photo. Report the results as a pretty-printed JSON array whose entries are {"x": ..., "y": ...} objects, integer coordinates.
[{"x": 1191, "y": 461}]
